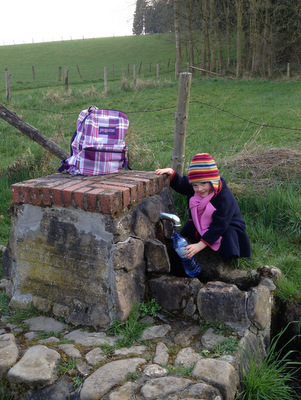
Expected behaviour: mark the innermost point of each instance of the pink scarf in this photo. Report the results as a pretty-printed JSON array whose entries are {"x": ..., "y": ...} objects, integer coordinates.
[{"x": 201, "y": 211}]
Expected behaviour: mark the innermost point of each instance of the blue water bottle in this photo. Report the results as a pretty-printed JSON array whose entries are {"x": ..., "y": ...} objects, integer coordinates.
[{"x": 191, "y": 266}]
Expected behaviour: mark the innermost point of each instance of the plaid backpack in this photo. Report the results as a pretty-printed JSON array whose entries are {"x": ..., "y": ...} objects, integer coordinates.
[{"x": 97, "y": 146}]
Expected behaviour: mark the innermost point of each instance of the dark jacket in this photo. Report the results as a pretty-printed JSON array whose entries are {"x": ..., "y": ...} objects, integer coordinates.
[{"x": 227, "y": 221}]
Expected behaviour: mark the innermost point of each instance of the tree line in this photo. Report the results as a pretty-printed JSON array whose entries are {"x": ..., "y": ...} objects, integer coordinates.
[{"x": 258, "y": 37}]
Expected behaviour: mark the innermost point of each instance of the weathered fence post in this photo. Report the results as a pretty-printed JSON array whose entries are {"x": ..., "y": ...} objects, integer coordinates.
[
  {"x": 105, "y": 78},
  {"x": 134, "y": 74},
  {"x": 80, "y": 75},
  {"x": 158, "y": 69},
  {"x": 181, "y": 118},
  {"x": 7, "y": 82},
  {"x": 66, "y": 79},
  {"x": 33, "y": 74}
]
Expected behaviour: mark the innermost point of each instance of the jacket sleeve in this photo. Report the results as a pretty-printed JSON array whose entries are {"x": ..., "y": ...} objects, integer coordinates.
[
  {"x": 221, "y": 218},
  {"x": 181, "y": 185}
]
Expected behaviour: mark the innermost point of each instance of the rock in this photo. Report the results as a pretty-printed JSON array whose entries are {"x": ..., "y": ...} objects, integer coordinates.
[
  {"x": 259, "y": 306},
  {"x": 157, "y": 331},
  {"x": 185, "y": 338},
  {"x": 9, "y": 352},
  {"x": 204, "y": 391},
  {"x": 128, "y": 254},
  {"x": 139, "y": 350},
  {"x": 170, "y": 292},
  {"x": 219, "y": 374},
  {"x": 229, "y": 303},
  {"x": 21, "y": 301},
  {"x": 210, "y": 339},
  {"x": 86, "y": 338},
  {"x": 51, "y": 339},
  {"x": 41, "y": 304},
  {"x": 95, "y": 356},
  {"x": 157, "y": 257},
  {"x": 187, "y": 358},
  {"x": 130, "y": 289},
  {"x": 160, "y": 388},
  {"x": 125, "y": 392},
  {"x": 45, "y": 324},
  {"x": 154, "y": 371},
  {"x": 106, "y": 377},
  {"x": 162, "y": 355},
  {"x": 70, "y": 350},
  {"x": 30, "y": 335},
  {"x": 58, "y": 391},
  {"x": 269, "y": 271},
  {"x": 37, "y": 368}
]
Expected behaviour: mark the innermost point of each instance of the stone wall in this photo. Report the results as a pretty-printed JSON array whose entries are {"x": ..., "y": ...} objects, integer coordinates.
[{"x": 81, "y": 247}]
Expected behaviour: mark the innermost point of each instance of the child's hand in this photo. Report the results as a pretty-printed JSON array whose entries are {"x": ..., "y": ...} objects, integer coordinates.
[
  {"x": 192, "y": 249},
  {"x": 168, "y": 171}
]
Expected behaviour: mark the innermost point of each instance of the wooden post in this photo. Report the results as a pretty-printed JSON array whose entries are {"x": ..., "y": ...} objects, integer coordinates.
[
  {"x": 105, "y": 79},
  {"x": 80, "y": 75},
  {"x": 158, "y": 69},
  {"x": 140, "y": 66},
  {"x": 181, "y": 118},
  {"x": 66, "y": 79},
  {"x": 60, "y": 74},
  {"x": 7, "y": 82},
  {"x": 32, "y": 133},
  {"x": 288, "y": 70},
  {"x": 134, "y": 74},
  {"x": 33, "y": 74}
]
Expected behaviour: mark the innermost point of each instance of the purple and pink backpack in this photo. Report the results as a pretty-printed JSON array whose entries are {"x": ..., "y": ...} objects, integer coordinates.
[{"x": 98, "y": 146}]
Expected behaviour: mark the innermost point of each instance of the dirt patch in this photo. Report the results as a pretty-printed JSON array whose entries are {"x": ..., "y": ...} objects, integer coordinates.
[{"x": 283, "y": 164}]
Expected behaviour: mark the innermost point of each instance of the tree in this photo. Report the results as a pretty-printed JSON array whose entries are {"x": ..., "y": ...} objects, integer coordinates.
[{"x": 139, "y": 17}]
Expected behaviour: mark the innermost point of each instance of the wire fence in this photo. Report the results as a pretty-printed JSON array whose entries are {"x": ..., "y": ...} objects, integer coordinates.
[{"x": 150, "y": 149}]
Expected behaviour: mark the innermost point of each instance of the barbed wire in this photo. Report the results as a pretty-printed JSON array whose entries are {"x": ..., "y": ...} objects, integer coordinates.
[{"x": 170, "y": 108}]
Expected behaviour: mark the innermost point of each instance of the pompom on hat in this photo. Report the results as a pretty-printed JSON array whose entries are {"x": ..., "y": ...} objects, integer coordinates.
[{"x": 203, "y": 169}]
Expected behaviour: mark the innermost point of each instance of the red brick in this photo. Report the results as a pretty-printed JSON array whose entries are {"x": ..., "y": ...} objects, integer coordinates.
[
  {"x": 92, "y": 199},
  {"x": 25, "y": 194},
  {"x": 110, "y": 202},
  {"x": 122, "y": 181},
  {"x": 57, "y": 197},
  {"x": 125, "y": 191},
  {"x": 137, "y": 190},
  {"x": 79, "y": 197},
  {"x": 35, "y": 196},
  {"x": 46, "y": 196},
  {"x": 15, "y": 193},
  {"x": 67, "y": 192}
]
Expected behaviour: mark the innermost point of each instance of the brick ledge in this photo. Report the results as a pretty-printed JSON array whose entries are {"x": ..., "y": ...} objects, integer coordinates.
[{"x": 107, "y": 194}]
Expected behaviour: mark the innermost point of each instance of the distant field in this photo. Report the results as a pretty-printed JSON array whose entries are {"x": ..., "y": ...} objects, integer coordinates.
[
  {"x": 239, "y": 122},
  {"x": 90, "y": 56}
]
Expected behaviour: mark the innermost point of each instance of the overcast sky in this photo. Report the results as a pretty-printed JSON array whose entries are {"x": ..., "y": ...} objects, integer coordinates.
[{"x": 28, "y": 21}]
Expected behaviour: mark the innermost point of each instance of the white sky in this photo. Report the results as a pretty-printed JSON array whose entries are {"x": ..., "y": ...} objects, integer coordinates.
[{"x": 28, "y": 21}]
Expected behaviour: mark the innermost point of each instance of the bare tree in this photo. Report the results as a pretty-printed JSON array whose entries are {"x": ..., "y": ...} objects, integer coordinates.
[{"x": 177, "y": 38}]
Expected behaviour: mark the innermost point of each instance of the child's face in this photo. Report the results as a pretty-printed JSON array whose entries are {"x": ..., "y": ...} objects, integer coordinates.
[{"x": 202, "y": 188}]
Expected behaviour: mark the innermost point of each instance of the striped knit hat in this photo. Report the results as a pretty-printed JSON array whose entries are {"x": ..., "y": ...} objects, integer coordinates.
[{"x": 204, "y": 169}]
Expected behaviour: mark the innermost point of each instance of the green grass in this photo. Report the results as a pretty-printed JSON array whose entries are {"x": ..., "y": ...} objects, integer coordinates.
[
  {"x": 227, "y": 118},
  {"x": 274, "y": 376}
]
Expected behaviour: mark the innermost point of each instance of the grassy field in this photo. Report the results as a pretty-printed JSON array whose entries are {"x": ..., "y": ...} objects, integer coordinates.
[{"x": 251, "y": 127}]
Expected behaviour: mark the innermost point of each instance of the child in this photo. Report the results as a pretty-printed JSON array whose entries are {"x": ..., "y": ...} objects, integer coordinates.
[{"x": 214, "y": 216}]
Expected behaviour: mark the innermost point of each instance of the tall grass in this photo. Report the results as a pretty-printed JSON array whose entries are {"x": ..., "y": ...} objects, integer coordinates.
[{"x": 274, "y": 376}]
